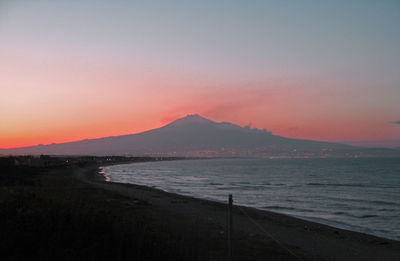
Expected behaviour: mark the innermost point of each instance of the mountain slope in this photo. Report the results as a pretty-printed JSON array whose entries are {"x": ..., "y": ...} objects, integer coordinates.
[{"x": 193, "y": 135}]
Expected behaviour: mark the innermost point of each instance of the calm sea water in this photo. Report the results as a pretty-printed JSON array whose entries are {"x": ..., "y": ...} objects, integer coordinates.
[{"x": 357, "y": 194}]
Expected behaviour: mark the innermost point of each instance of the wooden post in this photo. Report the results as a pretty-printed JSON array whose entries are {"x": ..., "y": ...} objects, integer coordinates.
[{"x": 230, "y": 227}]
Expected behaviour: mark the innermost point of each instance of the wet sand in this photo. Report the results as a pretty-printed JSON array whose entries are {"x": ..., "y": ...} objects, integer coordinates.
[{"x": 257, "y": 234}]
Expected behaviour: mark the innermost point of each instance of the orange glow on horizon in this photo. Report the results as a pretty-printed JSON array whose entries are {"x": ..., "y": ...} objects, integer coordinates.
[
  {"x": 314, "y": 131},
  {"x": 66, "y": 101}
]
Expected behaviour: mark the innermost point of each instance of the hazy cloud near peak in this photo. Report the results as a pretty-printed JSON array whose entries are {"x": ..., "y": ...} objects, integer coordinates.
[{"x": 395, "y": 122}]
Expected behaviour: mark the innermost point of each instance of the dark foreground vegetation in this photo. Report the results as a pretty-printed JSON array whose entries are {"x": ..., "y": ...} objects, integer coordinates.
[{"x": 47, "y": 214}]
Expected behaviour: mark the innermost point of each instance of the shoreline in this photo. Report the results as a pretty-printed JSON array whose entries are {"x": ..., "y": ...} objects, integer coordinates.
[
  {"x": 331, "y": 223},
  {"x": 307, "y": 239},
  {"x": 66, "y": 211}
]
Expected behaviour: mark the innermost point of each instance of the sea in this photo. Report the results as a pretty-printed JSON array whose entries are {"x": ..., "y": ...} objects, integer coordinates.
[{"x": 360, "y": 194}]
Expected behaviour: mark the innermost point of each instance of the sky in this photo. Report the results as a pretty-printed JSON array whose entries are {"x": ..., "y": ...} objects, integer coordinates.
[{"x": 321, "y": 70}]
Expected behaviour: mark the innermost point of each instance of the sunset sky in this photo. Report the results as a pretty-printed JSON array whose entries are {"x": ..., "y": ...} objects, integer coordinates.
[{"x": 323, "y": 70}]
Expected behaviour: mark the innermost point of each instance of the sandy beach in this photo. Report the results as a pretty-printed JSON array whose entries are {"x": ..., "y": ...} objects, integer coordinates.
[
  {"x": 71, "y": 213},
  {"x": 257, "y": 234}
]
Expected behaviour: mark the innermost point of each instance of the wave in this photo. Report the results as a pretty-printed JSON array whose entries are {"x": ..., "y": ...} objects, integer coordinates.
[
  {"x": 357, "y": 185},
  {"x": 339, "y": 185},
  {"x": 343, "y": 213},
  {"x": 368, "y": 216},
  {"x": 276, "y": 207},
  {"x": 279, "y": 208},
  {"x": 344, "y": 202}
]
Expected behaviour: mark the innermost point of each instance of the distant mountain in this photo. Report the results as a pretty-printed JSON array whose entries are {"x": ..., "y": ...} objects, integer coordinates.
[{"x": 194, "y": 135}]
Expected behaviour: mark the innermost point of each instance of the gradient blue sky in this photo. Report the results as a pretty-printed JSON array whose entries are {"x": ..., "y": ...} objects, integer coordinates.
[{"x": 327, "y": 70}]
